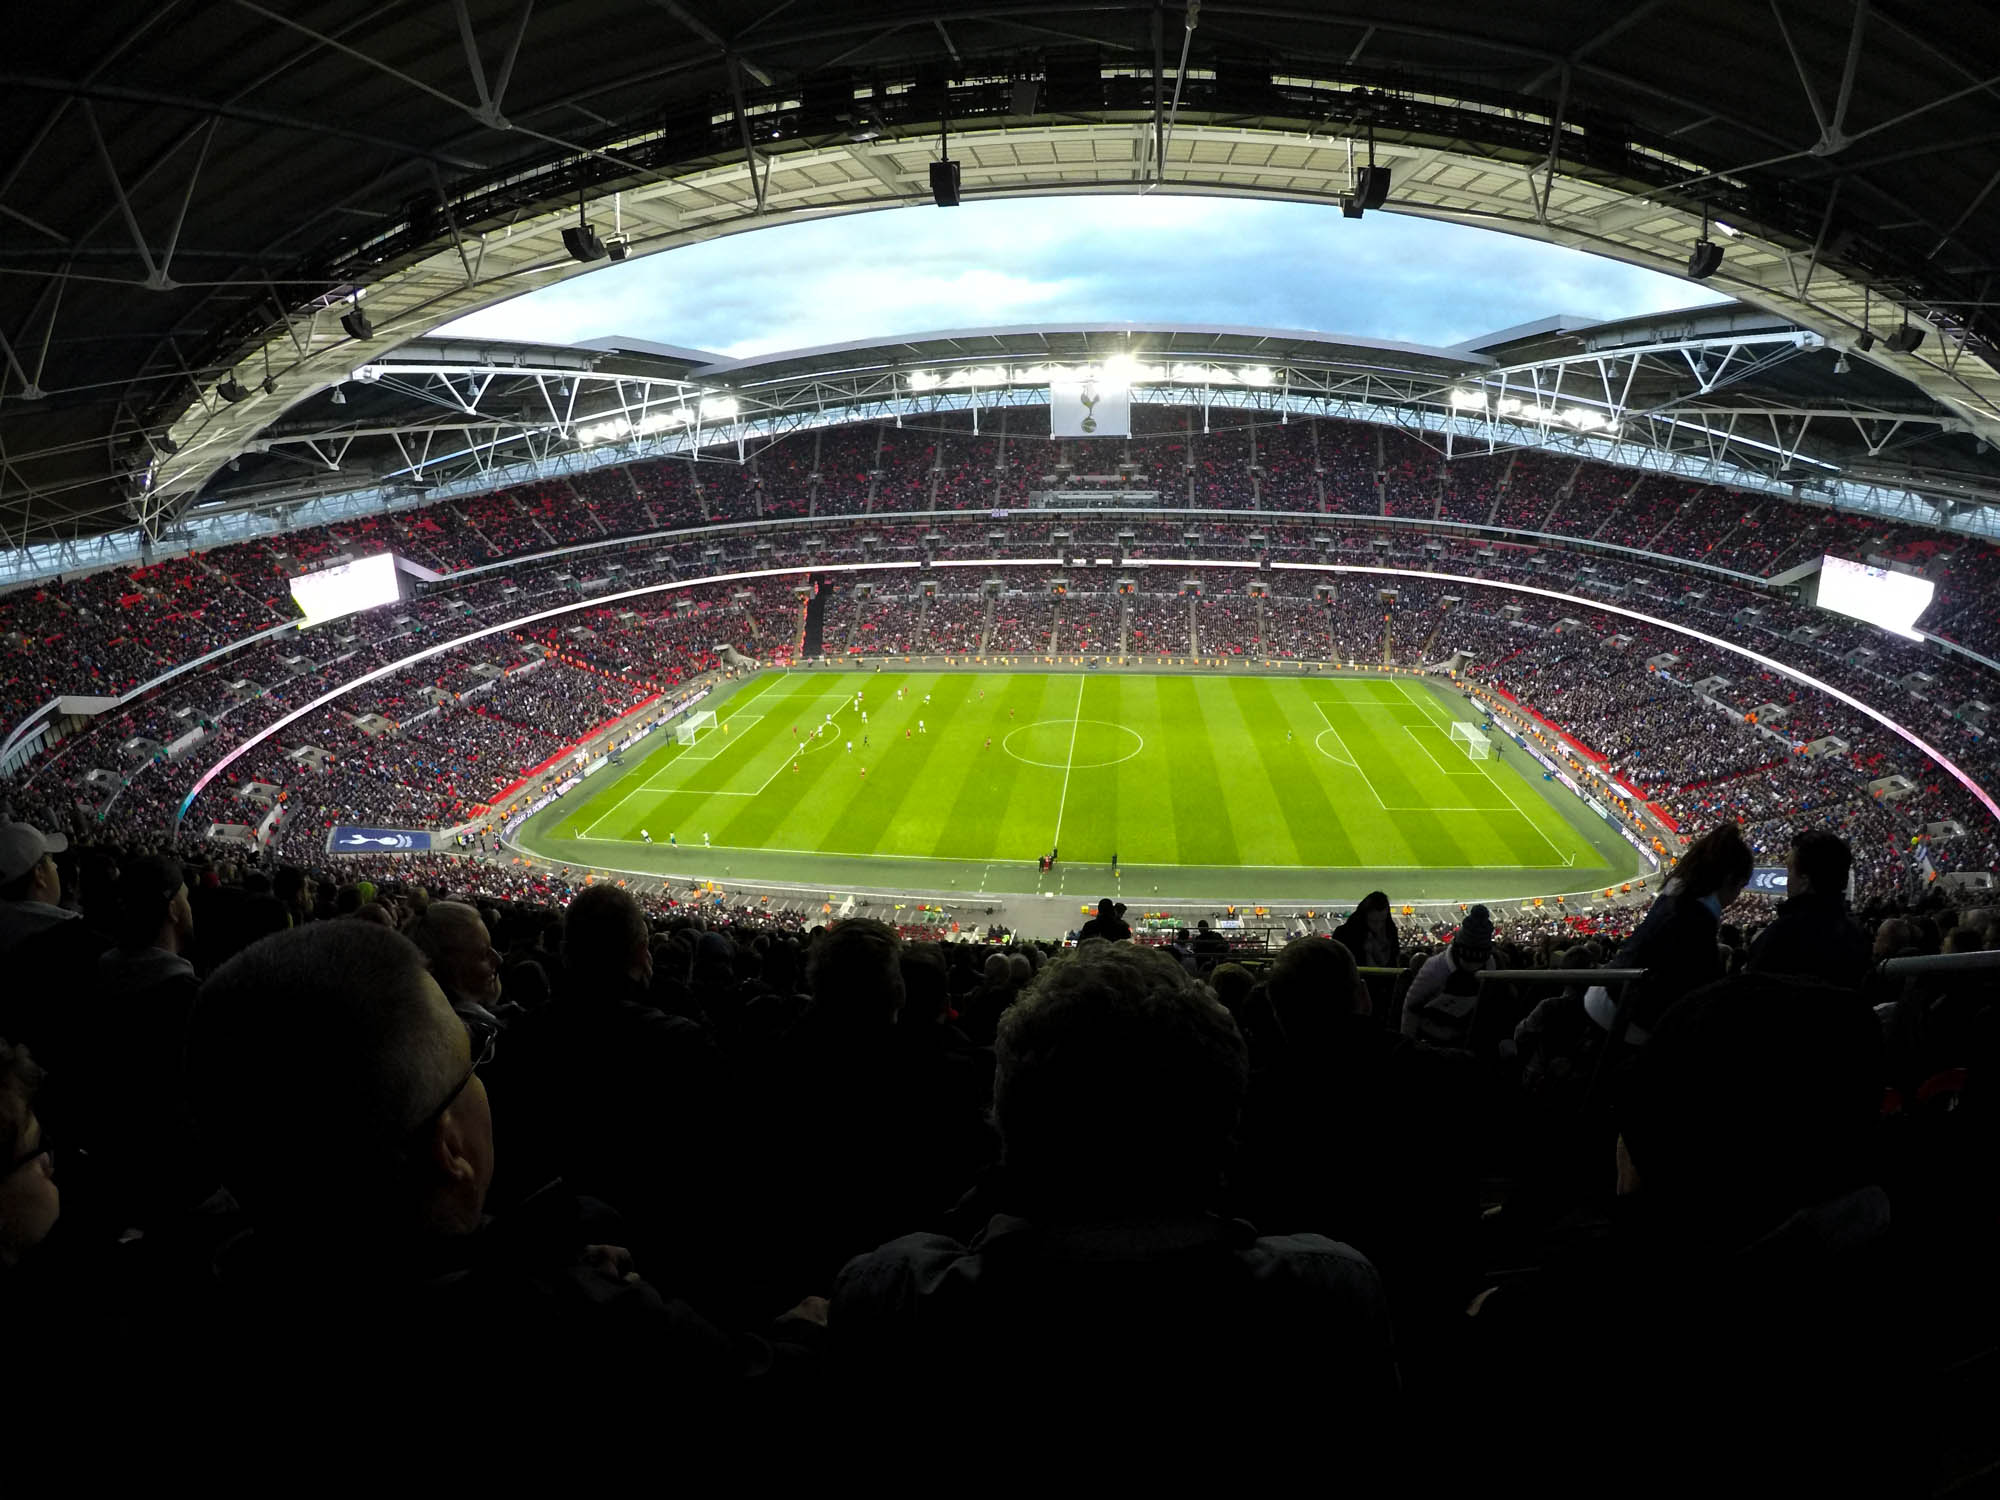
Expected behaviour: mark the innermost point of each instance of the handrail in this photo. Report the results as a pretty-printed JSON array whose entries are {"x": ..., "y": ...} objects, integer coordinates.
[
  {"x": 1567, "y": 976},
  {"x": 1941, "y": 963}
]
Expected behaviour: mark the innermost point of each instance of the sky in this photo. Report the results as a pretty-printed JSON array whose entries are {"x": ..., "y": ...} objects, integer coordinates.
[{"x": 1153, "y": 259}]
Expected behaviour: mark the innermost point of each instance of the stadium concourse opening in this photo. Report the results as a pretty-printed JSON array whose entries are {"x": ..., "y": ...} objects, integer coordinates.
[{"x": 1161, "y": 785}]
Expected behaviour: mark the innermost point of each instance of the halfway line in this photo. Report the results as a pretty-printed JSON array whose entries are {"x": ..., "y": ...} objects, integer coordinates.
[{"x": 1069, "y": 760}]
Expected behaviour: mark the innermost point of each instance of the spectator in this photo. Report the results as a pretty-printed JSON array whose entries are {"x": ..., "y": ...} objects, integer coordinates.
[
  {"x": 1443, "y": 997},
  {"x": 456, "y": 945},
  {"x": 1107, "y": 924},
  {"x": 1353, "y": 1132},
  {"x": 398, "y": 1137},
  {"x": 1370, "y": 934},
  {"x": 604, "y": 1091},
  {"x": 1208, "y": 944},
  {"x": 1813, "y": 936},
  {"x": 1747, "y": 1262},
  {"x": 864, "y": 1131},
  {"x": 126, "y": 1110},
  {"x": 29, "y": 1199},
  {"x": 1677, "y": 943},
  {"x": 30, "y": 888},
  {"x": 1118, "y": 1087}
]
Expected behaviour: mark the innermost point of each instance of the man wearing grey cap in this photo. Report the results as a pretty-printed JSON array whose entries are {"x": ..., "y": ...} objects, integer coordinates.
[{"x": 29, "y": 886}]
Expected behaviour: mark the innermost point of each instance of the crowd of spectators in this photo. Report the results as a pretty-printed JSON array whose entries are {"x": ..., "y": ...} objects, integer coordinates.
[
  {"x": 280, "y": 1138},
  {"x": 108, "y": 631}
]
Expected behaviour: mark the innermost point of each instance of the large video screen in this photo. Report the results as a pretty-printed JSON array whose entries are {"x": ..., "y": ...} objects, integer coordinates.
[
  {"x": 1891, "y": 600},
  {"x": 346, "y": 588}
]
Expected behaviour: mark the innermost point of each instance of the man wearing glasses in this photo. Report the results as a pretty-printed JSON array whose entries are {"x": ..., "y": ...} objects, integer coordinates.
[
  {"x": 462, "y": 958},
  {"x": 341, "y": 1100}
]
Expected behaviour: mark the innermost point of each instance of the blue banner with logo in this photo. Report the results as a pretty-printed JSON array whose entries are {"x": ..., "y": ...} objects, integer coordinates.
[
  {"x": 1768, "y": 880},
  {"x": 378, "y": 841}
]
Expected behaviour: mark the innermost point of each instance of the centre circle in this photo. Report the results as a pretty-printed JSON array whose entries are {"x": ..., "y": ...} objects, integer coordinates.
[{"x": 1073, "y": 744}]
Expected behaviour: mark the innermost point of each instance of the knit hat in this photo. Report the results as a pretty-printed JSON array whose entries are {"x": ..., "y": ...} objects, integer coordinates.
[{"x": 1475, "y": 935}]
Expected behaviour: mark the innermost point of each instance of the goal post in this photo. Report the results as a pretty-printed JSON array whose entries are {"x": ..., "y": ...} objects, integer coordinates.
[
  {"x": 1477, "y": 745},
  {"x": 689, "y": 728}
]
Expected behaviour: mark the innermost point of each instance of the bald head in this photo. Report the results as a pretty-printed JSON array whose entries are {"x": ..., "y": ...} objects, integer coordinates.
[
  {"x": 453, "y": 939},
  {"x": 321, "y": 1067}
]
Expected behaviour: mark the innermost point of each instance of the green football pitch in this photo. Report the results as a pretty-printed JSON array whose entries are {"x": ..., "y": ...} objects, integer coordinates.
[{"x": 1230, "y": 787}]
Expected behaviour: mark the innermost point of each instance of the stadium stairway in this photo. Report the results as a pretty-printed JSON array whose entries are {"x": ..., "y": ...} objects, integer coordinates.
[
  {"x": 1125, "y": 626},
  {"x": 815, "y": 636},
  {"x": 985, "y": 625}
]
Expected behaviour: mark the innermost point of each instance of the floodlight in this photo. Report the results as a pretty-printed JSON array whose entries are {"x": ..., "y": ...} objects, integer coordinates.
[
  {"x": 1705, "y": 259},
  {"x": 944, "y": 183},
  {"x": 1350, "y": 206},
  {"x": 340, "y": 395},
  {"x": 1905, "y": 339},
  {"x": 583, "y": 244},
  {"x": 356, "y": 323},
  {"x": 619, "y": 249},
  {"x": 1841, "y": 365}
]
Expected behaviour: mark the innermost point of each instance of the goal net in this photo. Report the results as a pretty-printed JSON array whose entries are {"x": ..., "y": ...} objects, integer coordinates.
[
  {"x": 1477, "y": 746},
  {"x": 689, "y": 728}
]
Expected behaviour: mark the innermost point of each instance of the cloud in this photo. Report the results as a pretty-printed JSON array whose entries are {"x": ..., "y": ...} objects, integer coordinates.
[{"x": 1150, "y": 259}]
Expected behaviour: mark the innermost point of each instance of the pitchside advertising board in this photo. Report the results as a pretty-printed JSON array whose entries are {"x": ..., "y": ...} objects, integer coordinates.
[
  {"x": 1767, "y": 880},
  {"x": 378, "y": 841}
]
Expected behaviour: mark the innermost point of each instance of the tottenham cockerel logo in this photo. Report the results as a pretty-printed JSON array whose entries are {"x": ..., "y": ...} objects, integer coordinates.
[{"x": 1089, "y": 396}]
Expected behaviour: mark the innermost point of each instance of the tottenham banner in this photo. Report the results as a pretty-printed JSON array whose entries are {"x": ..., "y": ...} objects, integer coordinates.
[
  {"x": 1089, "y": 408},
  {"x": 378, "y": 841}
]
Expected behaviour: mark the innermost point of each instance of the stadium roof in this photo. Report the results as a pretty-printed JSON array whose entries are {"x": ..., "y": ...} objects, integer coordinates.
[
  {"x": 1725, "y": 395},
  {"x": 192, "y": 194}
]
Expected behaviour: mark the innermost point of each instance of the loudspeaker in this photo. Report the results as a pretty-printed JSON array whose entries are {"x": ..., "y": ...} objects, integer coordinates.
[
  {"x": 1371, "y": 186},
  {"x": 1350, "y": 206},
  {"x": 230, "y": 391},
  {"x": 357, "y": 325},
  {"x": 1905, "y": 339},
  {"x": 944, "y": 183},
  {"x": 1864, "y": 341},
  {"x": 1027, "y": 94},
  {"x": 1704, "y": 260},
  {"x": 583, "y": 244}
]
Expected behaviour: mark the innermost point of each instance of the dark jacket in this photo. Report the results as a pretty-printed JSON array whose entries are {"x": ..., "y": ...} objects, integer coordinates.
[
  {"x": 127, "y": 1106},
  {"x": 863, "y": 1130},
  {"x": 334, "y": 1333},
  {"x": 1813, "y": 937},
  {"x": 1664, "y": 1363},
  {"x": 1356, "y": 1133},
  {"x": 1676, "y": 945},
  {"x": 624, "y": 1104},
  {"x": 1111, "y": 1326},
  {"x": 1353, "y": 935},
  {"x": 1112, "y": 929}
]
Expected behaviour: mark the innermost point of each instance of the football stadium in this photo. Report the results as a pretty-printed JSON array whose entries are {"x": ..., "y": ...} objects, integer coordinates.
[{"x": 1220, "y": 725}]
